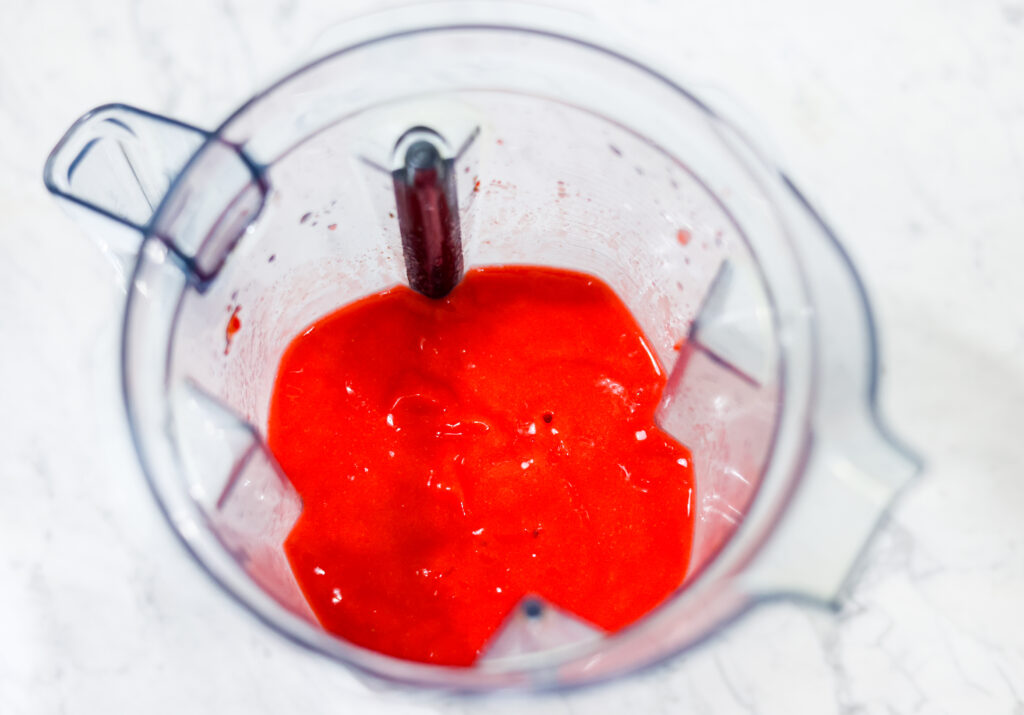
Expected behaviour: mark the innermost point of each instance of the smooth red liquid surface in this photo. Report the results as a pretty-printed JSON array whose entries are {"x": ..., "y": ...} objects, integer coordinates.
[{"x": 456, "y": 455}]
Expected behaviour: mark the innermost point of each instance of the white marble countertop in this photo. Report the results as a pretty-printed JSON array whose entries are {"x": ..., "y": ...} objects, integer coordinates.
[{"x": 904, "y": 122}]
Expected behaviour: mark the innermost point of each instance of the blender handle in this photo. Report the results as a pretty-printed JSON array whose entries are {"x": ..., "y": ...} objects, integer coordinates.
[
  {"x": 847, "y": 491},
  {"x": 854, "y": 470},
  {"x": 116, "y": 164}
]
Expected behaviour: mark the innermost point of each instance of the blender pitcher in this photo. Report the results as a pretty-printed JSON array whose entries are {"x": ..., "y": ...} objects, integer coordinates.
[{"x": 563, "y": 151}]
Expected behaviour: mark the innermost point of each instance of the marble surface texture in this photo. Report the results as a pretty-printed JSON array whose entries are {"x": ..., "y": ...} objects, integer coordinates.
[{"x": 904, "y": 122}]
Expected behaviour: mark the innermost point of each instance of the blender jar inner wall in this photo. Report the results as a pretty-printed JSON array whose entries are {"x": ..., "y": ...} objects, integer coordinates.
[{"x": 544, "y": 183}]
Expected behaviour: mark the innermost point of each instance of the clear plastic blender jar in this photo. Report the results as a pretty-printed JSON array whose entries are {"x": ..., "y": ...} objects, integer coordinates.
[{"x": 566, "y": 152}]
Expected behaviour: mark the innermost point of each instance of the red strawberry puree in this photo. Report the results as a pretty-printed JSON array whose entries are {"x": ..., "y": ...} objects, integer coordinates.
[{"x": 456, "y": 455}]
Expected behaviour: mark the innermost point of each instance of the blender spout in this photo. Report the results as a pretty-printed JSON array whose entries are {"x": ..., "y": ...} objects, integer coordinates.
[
  {"x": 115, "y": 164},
  {"x": 126, "y": 167}
]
